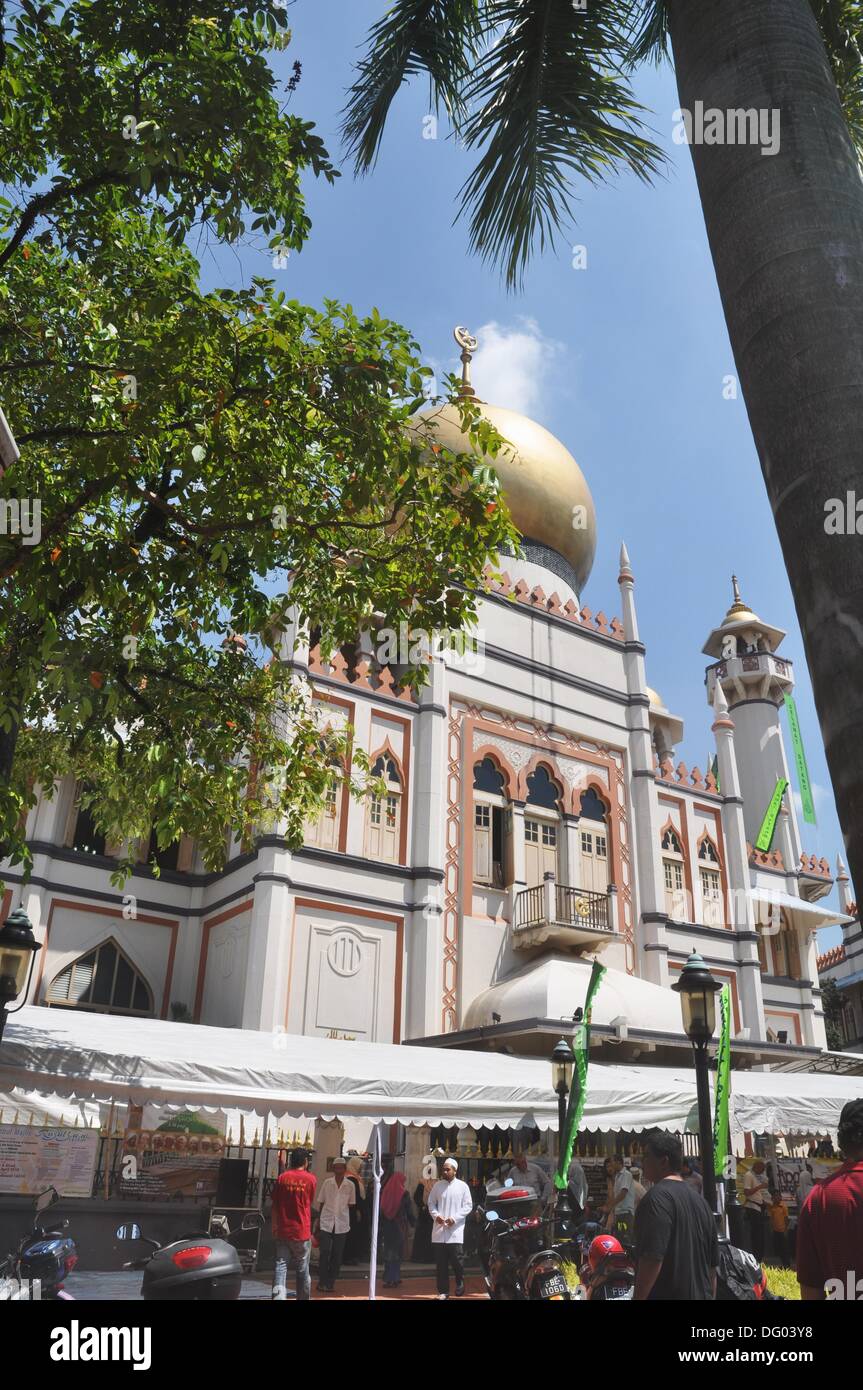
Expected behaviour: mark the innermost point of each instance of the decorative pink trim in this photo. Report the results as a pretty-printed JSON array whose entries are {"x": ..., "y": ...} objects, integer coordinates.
[
  {"x": 834, "y": 956},
  {"x": 365, "y": 675},
  {"x": 817, "y": 867},
  {"x": 536, "y": 598}
]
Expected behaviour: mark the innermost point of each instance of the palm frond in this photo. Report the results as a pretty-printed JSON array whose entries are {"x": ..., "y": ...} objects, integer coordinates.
[
  {"x": 648, "y": 28},
  {"x": 437, "y": 37},
  {"x": 841, "y": 25},
  {"x": 549, "y": 103}
]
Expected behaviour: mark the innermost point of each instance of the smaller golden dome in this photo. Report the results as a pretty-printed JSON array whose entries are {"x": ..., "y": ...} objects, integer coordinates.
[
  {"x": 738, "y": 620},
  {"x": 655, "y": 698}
]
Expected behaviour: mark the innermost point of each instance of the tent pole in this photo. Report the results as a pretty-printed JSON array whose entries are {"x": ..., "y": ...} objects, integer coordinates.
[{"x": 377, "y": 1170}]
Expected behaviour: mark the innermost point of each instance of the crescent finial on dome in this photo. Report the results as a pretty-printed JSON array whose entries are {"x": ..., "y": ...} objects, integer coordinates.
[{"x": 468, "y": 344}]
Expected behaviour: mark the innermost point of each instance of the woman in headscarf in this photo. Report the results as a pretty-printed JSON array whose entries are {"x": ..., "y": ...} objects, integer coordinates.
[
  {"x": 397, "y": 1215},
  {"x": 357, "y": 1235}
]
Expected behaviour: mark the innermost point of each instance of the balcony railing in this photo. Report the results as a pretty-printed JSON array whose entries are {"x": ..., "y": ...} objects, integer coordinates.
[{"x": 550, "y": 905}]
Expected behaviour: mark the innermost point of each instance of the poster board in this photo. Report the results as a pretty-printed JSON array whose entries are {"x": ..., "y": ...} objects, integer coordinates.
[
  {"x": 35, "y": 1157},
  {"x": 177, "y": 1161}
]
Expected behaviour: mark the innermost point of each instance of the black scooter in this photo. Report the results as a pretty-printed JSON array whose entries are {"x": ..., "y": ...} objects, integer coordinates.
[
  {"x": 44, "y": 1258},
  {"x": 517, "y": 1262},
  {"x": 199, "y": 1267}
]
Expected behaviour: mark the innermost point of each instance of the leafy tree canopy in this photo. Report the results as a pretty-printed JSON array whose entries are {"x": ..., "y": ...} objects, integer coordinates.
[{"x": 189, "y": 451}]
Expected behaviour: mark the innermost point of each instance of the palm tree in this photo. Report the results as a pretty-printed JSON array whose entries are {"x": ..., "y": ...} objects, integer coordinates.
[{"x": 540, "y": 89}]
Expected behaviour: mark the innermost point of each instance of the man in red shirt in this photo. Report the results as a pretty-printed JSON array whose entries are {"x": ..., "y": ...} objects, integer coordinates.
[
  {"x": 293, "y": 1195},
  {"x": 830, "y": 1226}
]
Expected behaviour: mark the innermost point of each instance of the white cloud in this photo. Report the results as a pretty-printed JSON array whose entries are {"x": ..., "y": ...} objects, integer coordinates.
[{"x": 511, "y": 365}]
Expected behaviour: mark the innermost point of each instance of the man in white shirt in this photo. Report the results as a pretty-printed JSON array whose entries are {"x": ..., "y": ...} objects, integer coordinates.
[
  {"x": 621, "y": 1211},
  {"x": 449, "y": 1204},
  {"x": 527, "y": 1174},
  {"x": 334, "y": 1200},
  {"x": 756, "y": 1200}
]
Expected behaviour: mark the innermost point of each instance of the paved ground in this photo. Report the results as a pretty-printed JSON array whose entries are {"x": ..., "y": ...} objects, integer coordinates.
[{"x": 124, "y": 1284}]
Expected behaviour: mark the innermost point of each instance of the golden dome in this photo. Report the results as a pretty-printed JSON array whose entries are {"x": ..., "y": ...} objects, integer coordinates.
[
  {"x": 655, "y": 698},
  {"x": 541, "y": 480}
]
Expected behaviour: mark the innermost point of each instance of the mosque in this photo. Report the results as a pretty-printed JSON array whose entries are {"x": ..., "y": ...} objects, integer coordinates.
[{"x": 536, "y": 815}]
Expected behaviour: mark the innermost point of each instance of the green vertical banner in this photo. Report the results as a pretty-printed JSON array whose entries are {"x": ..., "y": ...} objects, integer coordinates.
[
  {"x": 800, "y": 761},
  {"x": 768, "y": 825},
  {"x": 578, "y": 1090},
  {"x": 723, "y": 1083}
]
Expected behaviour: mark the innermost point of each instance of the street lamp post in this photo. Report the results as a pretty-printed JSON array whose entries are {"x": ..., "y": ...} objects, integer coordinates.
[
  {"x": 698, "y": 989},
  {"x": 18, "y": 948},
  {"x": 562, "y": 1067}
]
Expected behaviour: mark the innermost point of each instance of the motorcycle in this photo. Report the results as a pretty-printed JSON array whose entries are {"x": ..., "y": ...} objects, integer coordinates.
[
  {"x": 199, "y": 1267},
  {"x": 517, "y": 1262},
  {"x": 43, "y": 1260},
  {"x": 608, "y": 1272}
]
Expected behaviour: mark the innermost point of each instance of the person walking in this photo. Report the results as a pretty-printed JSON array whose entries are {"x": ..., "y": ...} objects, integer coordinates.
[
  {"x": 621, "y": 1209},
  {"x": 334, "y": 1203},
  {"x": 777, "y": 1215},
  {"x": 397, "y": 1217},
  {"x": 676, "y": 1249},
  {"x": 450, "y": 1204},
  {"x": 356, "y": 1245},
  {"x": 756, "y": 1200},
  {"x": 830, "y": 1225},
  {"x": 293, "y": 1195},
  {"x": 422, "y": 1247}
]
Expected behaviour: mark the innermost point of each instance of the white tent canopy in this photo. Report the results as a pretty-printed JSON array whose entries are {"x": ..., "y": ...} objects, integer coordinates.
[{"x": 89, "y": 1056}]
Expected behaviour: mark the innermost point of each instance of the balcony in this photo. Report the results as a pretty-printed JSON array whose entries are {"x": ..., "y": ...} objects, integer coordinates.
[{"x": 558, "y": 915}]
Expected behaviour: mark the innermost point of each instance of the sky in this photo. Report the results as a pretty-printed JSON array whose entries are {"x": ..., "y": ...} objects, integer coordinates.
[{"x": 626, "y": 360}]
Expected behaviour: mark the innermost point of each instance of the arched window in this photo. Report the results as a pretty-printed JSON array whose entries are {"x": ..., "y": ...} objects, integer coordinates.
[
  {"x": 167, "y": 858},
  {"x": 86, "y": 839},
  {"x": 672, "y": 869},
  {"x": 710, "y": 881},
  {"x": 593, "y": 843},
  {"x": 102, "y": 981},
  {"x": 384, "y": 813},
  {"x": 491, "y": 825},
  {"x": 541, "y": 790},
  {"x": 541, "y": 827}
]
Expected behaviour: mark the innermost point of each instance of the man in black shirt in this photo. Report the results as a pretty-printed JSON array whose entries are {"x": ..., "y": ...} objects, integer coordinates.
[{"x": 675, "y": 1234}]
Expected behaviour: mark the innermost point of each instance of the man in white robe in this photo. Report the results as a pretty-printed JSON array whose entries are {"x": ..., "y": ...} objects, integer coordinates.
[{"x": 449, "y": 1204}]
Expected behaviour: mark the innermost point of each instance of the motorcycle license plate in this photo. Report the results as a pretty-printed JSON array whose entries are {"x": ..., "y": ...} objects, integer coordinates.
[
  {"x": 619, "y": 1291},
  {"x": 555, "y": 1287}
]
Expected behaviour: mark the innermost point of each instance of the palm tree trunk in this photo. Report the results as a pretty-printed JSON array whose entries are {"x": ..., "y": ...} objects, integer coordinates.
[{"x": 786, "y": 235}]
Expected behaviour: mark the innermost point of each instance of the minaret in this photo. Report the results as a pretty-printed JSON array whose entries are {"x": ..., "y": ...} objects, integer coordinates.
[
  {"x": 652, "y": 953},
  {"x": 843, "y": 883},
  {"x": 734, "y": 831},
  {"x": 755, "y": 681}
]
